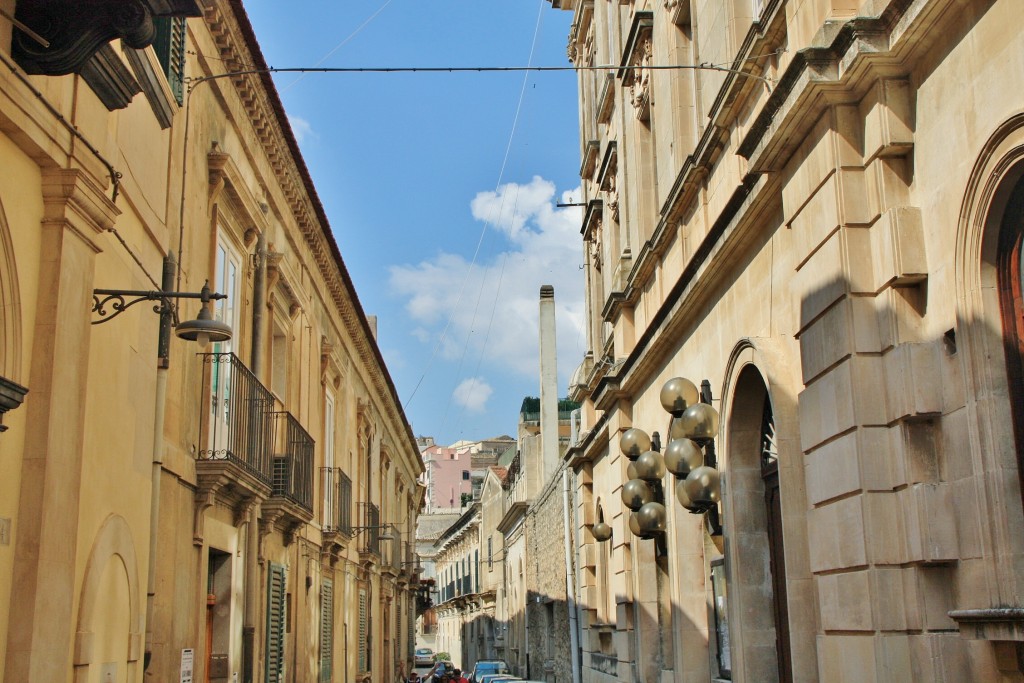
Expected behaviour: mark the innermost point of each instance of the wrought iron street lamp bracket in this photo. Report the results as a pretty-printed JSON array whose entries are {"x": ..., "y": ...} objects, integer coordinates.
[{"x": 120, "y": 300}]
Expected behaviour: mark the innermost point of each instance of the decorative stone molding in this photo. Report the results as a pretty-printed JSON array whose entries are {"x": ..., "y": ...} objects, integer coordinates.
[
  {"x": 606, "y": 179},
  {"x": 149, "y": 73},
  {"x": 636, "y": 57},
  {"x": 11, "y": 396},
  {"x": 996, "y": 623},
  {"x": 110, "y": 79}
]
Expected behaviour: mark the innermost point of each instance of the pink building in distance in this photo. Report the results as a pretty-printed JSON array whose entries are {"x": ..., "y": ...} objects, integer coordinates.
[{"x": 452, "y": 470}]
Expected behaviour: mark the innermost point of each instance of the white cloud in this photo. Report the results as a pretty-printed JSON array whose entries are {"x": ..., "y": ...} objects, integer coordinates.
[
  {"x": 472, "y": 394},
  {"x": 494, "y": 304},
  {"x": 301, "y": 129}
]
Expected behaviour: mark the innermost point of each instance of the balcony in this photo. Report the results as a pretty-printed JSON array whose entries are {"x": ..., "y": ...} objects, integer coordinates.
[
  {"x": 233, "y": 464},
  {"x": 370, "y": 519},
  {"x": 291, "y": 502},
  {"x": 336, "y": 525}
]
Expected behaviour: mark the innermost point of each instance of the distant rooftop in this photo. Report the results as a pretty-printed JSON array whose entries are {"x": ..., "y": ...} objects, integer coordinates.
[{"x": 430, "y": 527}]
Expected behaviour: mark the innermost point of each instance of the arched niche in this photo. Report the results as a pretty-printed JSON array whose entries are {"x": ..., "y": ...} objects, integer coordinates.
[{"x": 110, "y": 612}]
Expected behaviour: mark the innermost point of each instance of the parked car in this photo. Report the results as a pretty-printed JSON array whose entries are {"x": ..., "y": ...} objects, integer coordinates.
[
  {"x": 488, "y": 666},
  {"x": 423, "y": 656},
  {"x": 498, "y": 678}
]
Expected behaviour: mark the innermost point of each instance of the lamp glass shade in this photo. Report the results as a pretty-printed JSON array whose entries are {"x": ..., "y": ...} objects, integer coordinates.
[
  {"x": 204, "y": 328},
  {"x": 650, "y": 466},
  {"x": 634, "y": 524},
  {"x": 636, "y": 493},
  {"x": 683, "y": 497},
  {"x": 698, "y": 422},
  {"x": 678, "y": 394},
  {"x": 703, "y": 486},
  {"x": 634, "y": 442},
  {"x": 651, "y": 518},
  {"x": 683, "y": 455},
  {"x": 631, "y": 471},
  {"x": 602, "y": 532}
]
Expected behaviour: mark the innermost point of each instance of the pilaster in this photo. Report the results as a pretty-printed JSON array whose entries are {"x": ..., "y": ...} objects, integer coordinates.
[{"x": 46, "y": 553}]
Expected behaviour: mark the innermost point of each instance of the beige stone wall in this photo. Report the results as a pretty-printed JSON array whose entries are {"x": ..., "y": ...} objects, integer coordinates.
[
  {"x": 829, "y": 243},
  {"x": 77, "y": 491}
]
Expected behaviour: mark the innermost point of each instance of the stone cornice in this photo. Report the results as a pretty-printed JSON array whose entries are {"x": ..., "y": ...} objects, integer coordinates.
[{"x": 239, "y": 50}]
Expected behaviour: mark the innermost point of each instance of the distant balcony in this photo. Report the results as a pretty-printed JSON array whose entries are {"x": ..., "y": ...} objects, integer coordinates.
[
  {"x": 336, "y": 525},
  {"x": 370, "y": 519},
  {"x": 236, "y": 432},
  {"x": 291, "y": 501}
]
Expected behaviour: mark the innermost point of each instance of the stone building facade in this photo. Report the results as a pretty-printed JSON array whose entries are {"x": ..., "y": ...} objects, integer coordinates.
[
  {"x": 167, "y": 508},
  {"x": 548, "y": 600},
  {"x": 824, "y": 221},
  {"x": 459, "y": 607}
]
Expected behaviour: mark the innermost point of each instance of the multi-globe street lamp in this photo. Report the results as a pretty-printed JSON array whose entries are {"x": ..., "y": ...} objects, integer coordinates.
[{"x": 689, "y": 456}]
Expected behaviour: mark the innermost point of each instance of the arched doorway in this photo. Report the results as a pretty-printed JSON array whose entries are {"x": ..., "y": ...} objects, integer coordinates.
[
  {"x": 1010, "y": 271},
  {"x": 755, "y": 561}
]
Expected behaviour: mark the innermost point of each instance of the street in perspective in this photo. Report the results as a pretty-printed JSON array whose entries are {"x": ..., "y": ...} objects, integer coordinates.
[{"x": 564, "y": 341}]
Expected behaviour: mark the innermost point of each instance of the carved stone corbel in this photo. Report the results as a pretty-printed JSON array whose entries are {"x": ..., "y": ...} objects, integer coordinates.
[
  {"x": 204, "y": 500},
  {"x": 243, "y": 509}
]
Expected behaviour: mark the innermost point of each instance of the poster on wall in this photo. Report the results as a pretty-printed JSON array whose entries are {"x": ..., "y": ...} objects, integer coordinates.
[
  {"x": 721, "y": 618},
  {"x": 187, "y": 660}
]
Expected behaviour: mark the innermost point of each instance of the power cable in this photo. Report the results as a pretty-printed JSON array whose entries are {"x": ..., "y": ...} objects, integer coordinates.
[
  {"x": 483, "y": 232},
  {"x": 338, "y": 46}
]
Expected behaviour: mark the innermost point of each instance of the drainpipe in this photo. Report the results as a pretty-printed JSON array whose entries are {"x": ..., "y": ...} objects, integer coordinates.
[
  {"x": 163, "y": 353},
  {"x": 252, "y": 583},
  {"x": 570, "y": 584}
]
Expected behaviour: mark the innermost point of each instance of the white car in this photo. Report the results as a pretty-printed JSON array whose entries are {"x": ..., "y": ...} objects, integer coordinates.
[{"x": 423, "y": 656}]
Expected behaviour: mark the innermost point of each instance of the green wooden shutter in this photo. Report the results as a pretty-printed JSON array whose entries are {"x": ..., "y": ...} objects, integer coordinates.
[
  {"x": 363, "y": 666},
  {"x": 169, "y": 44},
  {"x": 326, "y": 630},
  {"x": 274, "y": 649}
]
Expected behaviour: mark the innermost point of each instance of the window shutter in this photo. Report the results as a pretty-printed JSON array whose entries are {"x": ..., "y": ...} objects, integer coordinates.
[
  {"x": 275, "y": 625},
  {"x": 169, "y": 44},
  {"x": 362, "y": 630},
  {"x": 326, "y": 630}
]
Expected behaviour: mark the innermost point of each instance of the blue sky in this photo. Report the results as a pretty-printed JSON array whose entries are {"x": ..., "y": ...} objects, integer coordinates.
[{"x": 447, "y": 229}]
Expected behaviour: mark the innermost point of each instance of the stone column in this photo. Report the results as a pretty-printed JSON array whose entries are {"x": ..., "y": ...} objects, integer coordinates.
[{"x": 46, "y": 552}]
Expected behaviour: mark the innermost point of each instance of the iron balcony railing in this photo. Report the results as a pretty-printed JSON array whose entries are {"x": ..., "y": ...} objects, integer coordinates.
[
  {"x": 293, "y": 463},
  {"x": 237, "y": 424},
  {"x": 370, "y": 518},
  {"x": 337, "y": 514}
]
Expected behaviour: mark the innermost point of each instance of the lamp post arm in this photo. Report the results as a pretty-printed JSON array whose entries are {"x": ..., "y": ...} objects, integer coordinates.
[{"x": 120, "y": 300}]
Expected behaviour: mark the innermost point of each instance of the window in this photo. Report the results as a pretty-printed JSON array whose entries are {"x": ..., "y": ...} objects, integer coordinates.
[
  {"x": 330, "y": 480},
  {"x": 490, "y": 555},
  {"x": 274, "y": 658},
  {"x": 465, "y": 475},
  {"x": 279, "y": 363},
  {"x": 169, "y": 45},
  {"x": 227, "y": 277}
]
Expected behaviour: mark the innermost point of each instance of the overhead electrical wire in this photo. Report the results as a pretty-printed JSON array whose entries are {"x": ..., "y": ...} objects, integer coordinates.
[
  {"x": 339, "y": 45},
  {"x": 483, "y": 232}
]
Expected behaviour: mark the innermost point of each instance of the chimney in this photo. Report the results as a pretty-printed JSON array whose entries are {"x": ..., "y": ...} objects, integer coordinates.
[{"x": 548, "y": 384}]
